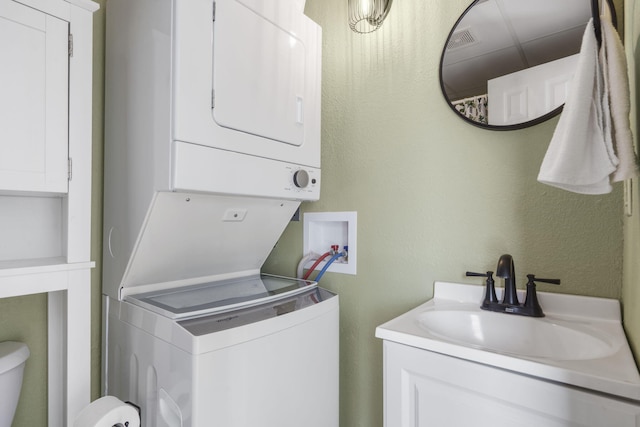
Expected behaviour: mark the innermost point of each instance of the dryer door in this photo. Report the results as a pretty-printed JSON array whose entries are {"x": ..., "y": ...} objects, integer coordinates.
[
  {"x": 247, "y": 81},
  {"x": 258, "y": 80}
]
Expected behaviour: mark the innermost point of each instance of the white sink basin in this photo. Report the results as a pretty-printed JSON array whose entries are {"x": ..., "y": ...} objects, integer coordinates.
[
  {"x": 518, "y": 335},
  {"x": 579, "y": 342}
]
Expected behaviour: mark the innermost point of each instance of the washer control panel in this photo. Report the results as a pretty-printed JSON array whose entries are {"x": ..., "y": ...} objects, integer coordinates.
[
  {"x": 301, "y": 178},
  {"x": 205, "y": 169},
  {"x": 304, "y": 180}
]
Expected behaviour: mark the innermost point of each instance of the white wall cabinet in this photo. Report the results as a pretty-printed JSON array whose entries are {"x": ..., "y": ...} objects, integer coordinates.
[
  {"x": 45, "y": 181},
  {"x": 427, "y": 389},
  {"x": 34, "y": 93}
]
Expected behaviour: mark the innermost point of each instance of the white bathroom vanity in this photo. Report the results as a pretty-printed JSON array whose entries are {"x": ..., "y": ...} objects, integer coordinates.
[{"x": 449, "y": 363}]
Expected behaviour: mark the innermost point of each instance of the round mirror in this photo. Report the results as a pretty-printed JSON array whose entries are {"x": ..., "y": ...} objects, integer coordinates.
[{"x": 507, "y": 64}]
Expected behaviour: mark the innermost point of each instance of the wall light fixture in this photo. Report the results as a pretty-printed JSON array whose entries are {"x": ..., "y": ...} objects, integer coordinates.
[{"x": 366, "y": 16}]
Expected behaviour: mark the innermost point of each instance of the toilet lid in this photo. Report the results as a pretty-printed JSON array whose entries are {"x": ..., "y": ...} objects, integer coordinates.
[{"x": 12, "y": 354}]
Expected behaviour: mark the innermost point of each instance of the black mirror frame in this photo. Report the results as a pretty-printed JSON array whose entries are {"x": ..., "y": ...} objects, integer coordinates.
[{"x": 543, "y": 118}]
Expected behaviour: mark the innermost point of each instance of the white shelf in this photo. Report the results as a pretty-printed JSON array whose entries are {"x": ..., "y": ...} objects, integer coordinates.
[
  {"x": 28, "y": 277},
  {"x": 39, "y": 266}
]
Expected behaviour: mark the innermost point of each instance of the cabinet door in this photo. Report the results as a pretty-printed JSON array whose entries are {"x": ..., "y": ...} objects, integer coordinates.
[
  {"x": 33, "y": 100},
  {"x": 425, "y": 389}
]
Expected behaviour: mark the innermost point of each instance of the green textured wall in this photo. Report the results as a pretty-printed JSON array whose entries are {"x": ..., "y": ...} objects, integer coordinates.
[
  {"x": 96, "y": 198},
  {"x": 631, "y": 283},
  {"x": 435, "y": 196}
]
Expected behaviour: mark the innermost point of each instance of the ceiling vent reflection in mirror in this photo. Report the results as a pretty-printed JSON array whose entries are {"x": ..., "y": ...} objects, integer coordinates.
[
  {"x": 461, "y": 38},
  {"x": 366, "y": 16}
]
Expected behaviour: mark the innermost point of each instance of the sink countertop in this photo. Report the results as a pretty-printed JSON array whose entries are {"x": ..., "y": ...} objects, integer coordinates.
[{"x": 615, "y": 373}]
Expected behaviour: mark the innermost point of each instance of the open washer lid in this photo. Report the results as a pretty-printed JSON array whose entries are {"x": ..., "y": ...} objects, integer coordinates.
[
  {"x": 219, "y": 296},
  {"x": 194, "y": 238}
]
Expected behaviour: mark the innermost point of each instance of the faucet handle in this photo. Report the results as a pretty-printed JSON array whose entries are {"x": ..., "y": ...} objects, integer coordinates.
[
  {"x": 490, "y": 292},
  {"x": 531, "y": 304},
  {"x": 532, "y": 277},
  {"x": 487, "y": 274}
]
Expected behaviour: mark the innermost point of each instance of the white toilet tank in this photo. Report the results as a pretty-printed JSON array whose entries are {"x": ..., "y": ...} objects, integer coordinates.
[{"x": 13, "y": 356}]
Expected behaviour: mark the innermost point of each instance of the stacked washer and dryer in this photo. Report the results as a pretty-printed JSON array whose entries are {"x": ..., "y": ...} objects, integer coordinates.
[{"x": 212, "y": 141}]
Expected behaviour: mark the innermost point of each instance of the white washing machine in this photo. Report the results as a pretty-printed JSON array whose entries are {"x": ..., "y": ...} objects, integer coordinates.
[
  {"x": 261, "y": 351},
  {"x": 212, "y": 141},
  {"x": 232, "y": 349}
]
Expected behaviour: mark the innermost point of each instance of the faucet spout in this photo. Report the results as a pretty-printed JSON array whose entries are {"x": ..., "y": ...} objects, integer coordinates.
[{"x": 507, "y": 271}]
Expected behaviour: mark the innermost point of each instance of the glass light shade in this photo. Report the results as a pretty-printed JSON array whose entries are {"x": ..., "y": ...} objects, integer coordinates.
[{"x": 366, "y": 16}]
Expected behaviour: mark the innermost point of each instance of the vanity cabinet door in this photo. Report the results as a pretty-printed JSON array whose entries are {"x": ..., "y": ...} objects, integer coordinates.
[
  {"x": 426, "y": 389},
  {"x": 33, "y": 100}
]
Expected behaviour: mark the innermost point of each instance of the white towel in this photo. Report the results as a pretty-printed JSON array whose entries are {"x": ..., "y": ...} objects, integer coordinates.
[
  {"x": 617, "y": 93},
  {"x": 580, "y": 158}
]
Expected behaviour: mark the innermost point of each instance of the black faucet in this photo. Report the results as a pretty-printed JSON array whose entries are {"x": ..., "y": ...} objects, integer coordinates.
[
  {"x": 507, "y": 271},
  {"x": 510, "y": 303}
]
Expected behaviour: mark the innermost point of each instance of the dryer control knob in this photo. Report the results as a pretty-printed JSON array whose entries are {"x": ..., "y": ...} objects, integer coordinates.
[{"x": 301, "y": 178}]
